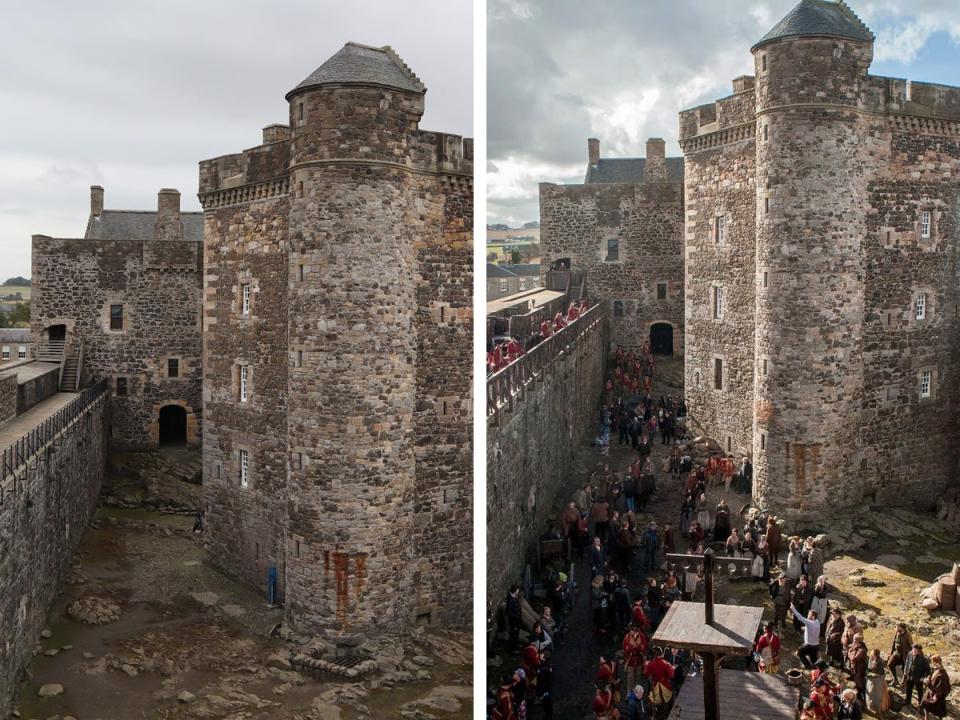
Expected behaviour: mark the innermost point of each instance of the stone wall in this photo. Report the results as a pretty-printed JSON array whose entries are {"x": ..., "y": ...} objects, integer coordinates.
[
  {"x": 37, "y": 389},
  {"x": 75, "y": 281},
  {"x": 40, "y": 526},
  {"x": 719, "y": 175},
  {"x": 530, "y": 455},
  {"x": 8, "y": 396},
  {"x": 646, "y": 218}
]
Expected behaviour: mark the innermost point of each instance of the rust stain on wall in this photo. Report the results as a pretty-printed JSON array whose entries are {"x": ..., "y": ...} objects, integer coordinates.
[{"x": 341, "y": 565}]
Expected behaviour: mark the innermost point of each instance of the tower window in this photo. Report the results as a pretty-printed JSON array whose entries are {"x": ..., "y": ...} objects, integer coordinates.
[
  {"x": 121, "y": 387},
  {"x": 764, "y": 367},
  {"x": 244, "y": 469},
  {"x": 718, "y": 374},
  {"x": 173, "y": 367},
  {"x": 300, "y": 272},
  {"x": 116, "y": 317},
  {"x": 718, "y": 302},
  {"x": 661, "y": 291},
  {"x": 925, "y": 223},
  {"x": 297, "y": 461},
  {"x": 763, "y": 63},
  {"x": 765, "y": 279},
  {"x": 244, "y": 383},
  {"x": 763, "y": 441},
  {"x": 245, "y": 299},
  {"x": 925, "y": 377},
  {"x": 921, "y": 306},
  {"x": 766, "y": 205},
  {"x": 764, "y": 131},
  {"x": 613, "y": 250},
  {"x": 299, "y": 358},
  {"x": 720, "y": 230}
]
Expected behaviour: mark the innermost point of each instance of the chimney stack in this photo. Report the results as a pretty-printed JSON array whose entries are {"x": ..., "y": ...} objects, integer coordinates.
[
  {"x": 593, "y": 151},
  {"x": 655, "y": 169},
  {"x": 169, "y": 226},
  {"x": 96, "y": 200}
]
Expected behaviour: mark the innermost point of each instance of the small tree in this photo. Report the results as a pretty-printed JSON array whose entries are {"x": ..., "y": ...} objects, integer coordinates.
[{"x": 515, "y": 257}]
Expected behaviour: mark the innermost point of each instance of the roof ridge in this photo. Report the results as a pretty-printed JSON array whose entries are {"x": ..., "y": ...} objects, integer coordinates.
[
  {"x": 154, "y": 212},
  {"x": 392, "y": 54}
]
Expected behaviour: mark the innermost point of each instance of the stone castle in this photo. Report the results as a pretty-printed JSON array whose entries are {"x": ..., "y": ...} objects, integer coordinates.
[
  {"x": 820, "y": 240},
  {"x": 311, "y": 331}
]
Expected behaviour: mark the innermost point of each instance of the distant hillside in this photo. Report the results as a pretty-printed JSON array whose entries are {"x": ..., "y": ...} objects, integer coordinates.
[{"x": 19, "y": 281}]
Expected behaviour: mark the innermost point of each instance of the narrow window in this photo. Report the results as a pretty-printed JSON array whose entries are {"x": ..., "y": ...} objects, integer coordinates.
[
  {"x": 245, "y": 299},
  {"x": 297, "y": 550},
  {"x": 696, "y": 379},
  {"x": 720, "y": 230},
  {"x": 763, "y": 441},
  {"x": 244, "y": 469},
  {"x": 300, "y": 272},
  {"x": 300, "y": 189},
  {"x": 925, "y": 383},
  {"x": 299, "y": 358},
  {"x": 717, "y": 374},
  {"x": 764, "y": 366},
  {"x": 6, "y": 353},
  {"x": 765, "y": 278},
  {"x": 22, "y": 352},
  {"x": 786, "y": 450},
  {"x": 925, "y": 225},
  {"x": 244, "y": 383},
  {"x": 613, "y": 250},
  {"x": 764, "y": 131},
  {"x": 121, "y": 387},
  {"x": 921, "y": 306},
  {"x": 729, "y": 444},
  {"x": 219, "y": 469},
  {"x": 661, "y": 291},
  {"x": 116, "y": 317},
  {"x": 763, "y": 63},
  {"x": 766, "y": 205},
  {"x": 173, "y": 367},
  {"x": 618, "y": 308},
  {"x": 300, "y": 110},
  {"x": 256, "y": 551},
  {"x": 718, "y": 302}
]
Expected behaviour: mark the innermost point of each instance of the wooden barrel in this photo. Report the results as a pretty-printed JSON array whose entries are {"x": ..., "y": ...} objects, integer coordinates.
[{"x": 945, "y": 592}]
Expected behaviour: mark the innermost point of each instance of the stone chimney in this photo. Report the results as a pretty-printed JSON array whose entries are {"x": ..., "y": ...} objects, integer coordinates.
[
  {"x": 276, "y": 133},
  {"x": 169, "y": 226},
  {"x": 96, "y": 200},
  {"x": 593, "y": 151},
  {"x": 744, "y": 83},
  {"x": 655, "y": 169}
]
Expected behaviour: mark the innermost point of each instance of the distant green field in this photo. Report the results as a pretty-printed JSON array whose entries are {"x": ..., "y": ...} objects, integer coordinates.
[{"x": 12, "y": 289}]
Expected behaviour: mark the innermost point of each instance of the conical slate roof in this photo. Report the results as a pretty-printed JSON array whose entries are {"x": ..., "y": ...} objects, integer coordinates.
[
  {"x": 819, "y": 18},
  {"x": 364, "y": 65}
]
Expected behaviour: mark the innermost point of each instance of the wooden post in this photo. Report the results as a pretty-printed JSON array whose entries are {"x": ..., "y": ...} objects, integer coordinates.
[
  {"x": 708, "y": 586},
  {"x": 711, "y": 687}
]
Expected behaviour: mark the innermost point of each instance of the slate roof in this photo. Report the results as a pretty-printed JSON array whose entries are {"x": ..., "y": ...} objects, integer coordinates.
[
  {"x": 524, "y": 270},
  {"x": 139, "y": 225},
  {"x": 364, "y": 65},
  {"x": 627, "y": 170},
  {"x": 498, "y": 271},
  {"x": 819, "y": 18},
  {"x": 15, "y": 335}
]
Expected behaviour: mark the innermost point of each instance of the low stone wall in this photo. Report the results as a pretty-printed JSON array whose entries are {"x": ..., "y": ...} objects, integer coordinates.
[
  {"x": 46, "y": 506},
  {"x": 8, "y": 397},
  {"x": 530, "y": 450},
  {"x": 37, "y": 389}
]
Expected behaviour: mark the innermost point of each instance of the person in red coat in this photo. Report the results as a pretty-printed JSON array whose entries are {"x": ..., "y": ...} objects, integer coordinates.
[
  {"x": 768, "y": 648},
  {"x": 572, "y": 312},
  {"x": 634, "y": 652},
  {"x": 546, "y": 329},
  {"x": 660, "y": 673},
  {"x": 504, "y": 707},
  {"x": 603, "y": 704},
  {"x": 638, "y": 617},
  {"x": 558, "y": 322}
]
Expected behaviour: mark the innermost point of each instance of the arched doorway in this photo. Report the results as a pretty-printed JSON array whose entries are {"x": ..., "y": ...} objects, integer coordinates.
[
  {"x": 56, "y": 333},
  {"x": 173, "y": 425},
  {"x": 661, "y": 339}
]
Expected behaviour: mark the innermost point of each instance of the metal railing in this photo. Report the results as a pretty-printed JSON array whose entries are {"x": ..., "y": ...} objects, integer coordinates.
[
  {"x": 27, "y": 446},
  {"x": 505, "y": 385}
]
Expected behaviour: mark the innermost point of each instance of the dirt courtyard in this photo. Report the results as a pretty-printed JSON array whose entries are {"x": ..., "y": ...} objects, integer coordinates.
[{"x": 180, "y": 640}]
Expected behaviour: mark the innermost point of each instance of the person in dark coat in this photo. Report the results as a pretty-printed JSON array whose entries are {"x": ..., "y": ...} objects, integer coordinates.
[
  {"x": 513, "y": 613},
  {"x": 850, "y": 707},
  {"x": 916, "y": 668},
  {"x": 902, "y": 642},
  {"x": 938, "y": 687},
  {"x": 638, "y": 707}
]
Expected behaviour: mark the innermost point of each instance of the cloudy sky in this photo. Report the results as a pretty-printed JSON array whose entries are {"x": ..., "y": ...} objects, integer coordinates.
[
  {"x": 132, "y": 95},
  {"x": 560, "y": 71}
]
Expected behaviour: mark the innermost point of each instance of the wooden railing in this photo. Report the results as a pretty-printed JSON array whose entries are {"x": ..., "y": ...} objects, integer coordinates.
[
  {"x": 28, "y": 446},
  {"x": 51, "y": 351},
  {"x": 504, "y": 386}
]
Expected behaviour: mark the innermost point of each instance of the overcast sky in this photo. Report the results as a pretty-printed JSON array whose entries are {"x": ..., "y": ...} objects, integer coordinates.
[
  {"x": 132, "y": 95},
  {"x": 560, "y": 71}
]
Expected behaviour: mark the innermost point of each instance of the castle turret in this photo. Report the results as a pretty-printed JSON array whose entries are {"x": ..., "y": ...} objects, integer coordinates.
[
  {"x": 352, "y": 297},
  {"x": 811, "y": 217}
]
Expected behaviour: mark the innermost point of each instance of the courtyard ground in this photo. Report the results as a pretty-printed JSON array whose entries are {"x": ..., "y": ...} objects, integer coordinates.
[
  {"x": 878, "y": 561},
  {"x": 191, "y": 643}
]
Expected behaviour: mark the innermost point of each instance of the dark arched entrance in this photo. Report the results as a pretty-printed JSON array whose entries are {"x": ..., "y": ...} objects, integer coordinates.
[
  {"x": 173, "y": 425},
  {"x": 57, "y": 333},
  {"x": 661, "y": 338}
]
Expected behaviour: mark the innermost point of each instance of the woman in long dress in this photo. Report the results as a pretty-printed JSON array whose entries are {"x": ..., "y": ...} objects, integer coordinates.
[
  {"x": 878, "y": 696},
  {"x": 794, "y": 561},
  {"x": 703, "y": 514},
  {"x": 820, "y": 601}
]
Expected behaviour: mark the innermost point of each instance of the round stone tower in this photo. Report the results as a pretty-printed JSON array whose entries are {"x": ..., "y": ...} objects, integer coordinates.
[
  {"x": 352, "y": 342},
  {"x": 810, "y": 221}
]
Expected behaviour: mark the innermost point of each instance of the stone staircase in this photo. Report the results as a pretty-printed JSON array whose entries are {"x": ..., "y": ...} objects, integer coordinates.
[
  {"x": 51, "y": 351},
  {"x": 70, "y": 376}
]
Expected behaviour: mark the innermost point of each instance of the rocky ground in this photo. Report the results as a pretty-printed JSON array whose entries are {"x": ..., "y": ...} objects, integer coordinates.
[
  {"x": 143, "y": 629},
  {"x": 879, "y": 561}
]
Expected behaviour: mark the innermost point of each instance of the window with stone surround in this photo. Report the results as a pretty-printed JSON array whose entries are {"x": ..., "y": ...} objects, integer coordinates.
[
  {"x": 121, "y": 387},
  {"x": 926, "y": 378},
  {"x": 763, "y": 367},
  {"x": 926, "y": 224},
  {"x": 696, "y": 379},
  {"x": 720, "y": 230},
  {"x": 717, "y": 302},
  {"x": 765, "y": 135},
  {"x": 173, "y": 367},
  {"x": 296, "y": 461},
  {"x": 763, "y": 63},
  {"x": 300, "y": 272},
  {"x": 718, "y": 373},
  {"x": 116, "y": 317},
  {"x": 763, "y": 441},
  {"x": 22, "y": 352},
  {"x": 661, "y": 291},
  {"x": 6, "y": 353},
  {"x": 244, "y": 383},
  {"x": 244, "y": 468},
  {"x": 245, "y": 299},
  {"x": 613, "y": 250},
  {"x": 920, "y": 306}
]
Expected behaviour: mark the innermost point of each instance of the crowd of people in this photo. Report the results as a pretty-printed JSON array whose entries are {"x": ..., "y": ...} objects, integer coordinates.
[
  {"x": 602, "y": 526},
  {"x": 501, "y": 354}
]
